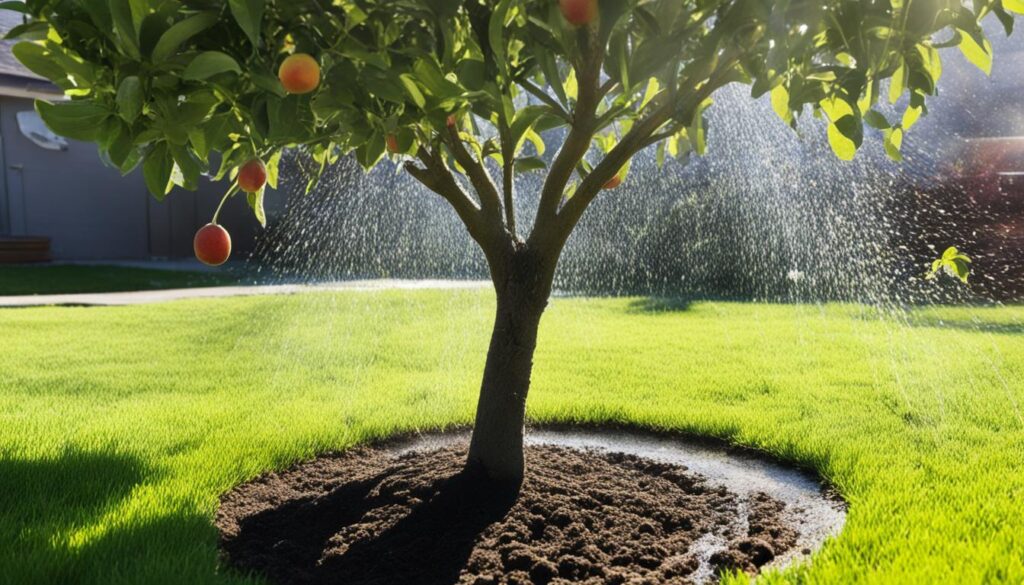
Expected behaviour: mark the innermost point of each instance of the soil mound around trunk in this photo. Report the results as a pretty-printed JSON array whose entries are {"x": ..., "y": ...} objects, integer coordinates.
[{"x": 371, "y": 516}]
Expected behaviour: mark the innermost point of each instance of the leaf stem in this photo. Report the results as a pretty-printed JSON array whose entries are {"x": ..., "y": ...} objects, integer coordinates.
[{"x": 230, "y": 192}]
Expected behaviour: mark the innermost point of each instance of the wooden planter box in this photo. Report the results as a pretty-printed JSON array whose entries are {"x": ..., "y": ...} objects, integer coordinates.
[{"x": 19, "y": 250}]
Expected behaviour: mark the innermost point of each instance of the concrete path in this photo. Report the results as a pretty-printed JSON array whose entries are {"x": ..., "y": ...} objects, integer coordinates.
[{"x": 161, "y": 296}]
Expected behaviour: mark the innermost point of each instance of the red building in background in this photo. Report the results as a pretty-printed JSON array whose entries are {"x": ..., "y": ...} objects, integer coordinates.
[
  {"x": 976, "y": 202},
  {"x": 971, "y": 193}
]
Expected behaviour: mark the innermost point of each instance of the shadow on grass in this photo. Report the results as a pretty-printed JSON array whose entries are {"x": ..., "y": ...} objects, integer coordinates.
[
  {"x": 56, "y": 526},
  {"x": 429, "y": 545},
  {"x": 972, "y": 326},
  {"x": 65, "y": 491},
  {"x": 660, "y": 305},
  {"x": 180, "y": 547},
  {"x": 77, "y": 279},
  {"x": 43, "y": 500}
]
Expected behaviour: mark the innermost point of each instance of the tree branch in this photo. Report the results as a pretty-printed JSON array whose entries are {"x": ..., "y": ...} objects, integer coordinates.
[
  {"x": 478, "y": 176},
  {"x": 607, "y": 87},
  {"x": 544, "y": 97},
  {"x": 630, "y": 144},
  {"x": 436, "y": 176},
  {"x": 508, "y": 156},
  {"x": 638, "y": 138},
  {"x": 656, "y": 138},
  {"x": 577, "y": 142}
]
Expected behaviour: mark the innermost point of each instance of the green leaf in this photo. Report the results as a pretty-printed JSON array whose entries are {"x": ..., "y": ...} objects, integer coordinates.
[
  {"x": 910, "y": 117},
  {"x": 893, "y": 142},
  {"x": 529, "y": 164},
  {"x": 181, "y": 32},
  {"x": 931, "y": 61},
  {"x": 139, "y": 9},
  {"x": 256, "y": 204},
  {"x": 696, "y": 132},
  {"x": 496, "y": 29},
  {"x": 898, "y": 82},
  {"x": 234, "y": 157},
  {"x": 653, "y": 87},
  {"x": 430, "y": 77},
  {"x": 1014, "y": 6},
  {"x": 77, "y": 74},
  {"x": 187, "y": 167},
  {"x": 200, "y": 144},
  {"x": 121, "y": 148},
  {"x": 843, "y": 147},
  {"x": 32, "y": 30},
  {"x": 273, "y": 165},
  {"x": 960, "y": 269},
  {"x": 822, "y": 76},
  {"x": 210, "y": 63},
  {"x": 550, "y": 67},
  {"x": 36, "y": 58},
  {"x": 845, "y": 132},
  {"x": 15, "y": 5},
  {"x": 979, "y": 55},
  {"x": 156, "y": 170},
  {"x": 471, "y": 74},
  {"x": 851, "y": 128},
  {"x": 876, "y": 120},
  {"x": 523, "y": 122},
  {"x": 536, "y": 140},
  {"x": 952, "y": 263},
  {"x": 268, "y": 82},
  {"x": 80, "y": 120},
  {"x": 571, "y": 87},
  {"x": 619, "y": 48},
  {"x": 700, "y": 145},
  {"x": 249, "y": 15},
  {"x": 780, "y": 103},
  {"x": 290, "y": 118},
  {"x": 126, "y": 27},
  {"x": 383, "y": 85},
  {"x": 413, "y": 90},
  {"x": 869, "y": 98},
  {"x": 129, "y": 99}
]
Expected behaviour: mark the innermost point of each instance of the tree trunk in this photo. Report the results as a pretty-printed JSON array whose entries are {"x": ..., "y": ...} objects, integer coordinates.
[{"x": 522, "y": 281}]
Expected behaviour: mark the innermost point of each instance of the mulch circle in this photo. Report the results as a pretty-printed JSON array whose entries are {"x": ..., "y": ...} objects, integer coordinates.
[{"x": 369, "y": 516}]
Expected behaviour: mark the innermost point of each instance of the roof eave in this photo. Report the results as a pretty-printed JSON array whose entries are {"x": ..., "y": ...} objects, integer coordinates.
[{"x": 25, "y": 87}]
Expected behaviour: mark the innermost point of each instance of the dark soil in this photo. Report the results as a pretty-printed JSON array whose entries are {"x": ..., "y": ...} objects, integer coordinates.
[{"x": 370, "y": 517}]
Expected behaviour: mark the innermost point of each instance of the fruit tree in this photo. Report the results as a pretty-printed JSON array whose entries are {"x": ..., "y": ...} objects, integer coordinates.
[{"x": 468, "y": 94}]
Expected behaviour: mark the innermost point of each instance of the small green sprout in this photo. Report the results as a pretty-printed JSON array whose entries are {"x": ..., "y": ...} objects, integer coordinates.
[{"x": 953, "y": 263}]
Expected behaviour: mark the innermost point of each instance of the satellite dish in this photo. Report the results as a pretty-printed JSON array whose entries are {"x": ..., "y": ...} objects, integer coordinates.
[{"x": 33, "y": 128}]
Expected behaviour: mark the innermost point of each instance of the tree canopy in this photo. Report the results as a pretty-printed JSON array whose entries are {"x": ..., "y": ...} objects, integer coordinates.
[{"x": 461, "y": 88}]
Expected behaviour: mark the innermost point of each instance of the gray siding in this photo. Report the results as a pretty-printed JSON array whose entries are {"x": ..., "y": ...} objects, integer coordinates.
[{"x": 91, "y": 212}]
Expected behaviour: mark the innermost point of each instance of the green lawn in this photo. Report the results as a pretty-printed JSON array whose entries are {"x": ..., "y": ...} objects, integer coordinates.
[
  {"x": 65, "y": 279},
  {"x": 119, "y": 427}
]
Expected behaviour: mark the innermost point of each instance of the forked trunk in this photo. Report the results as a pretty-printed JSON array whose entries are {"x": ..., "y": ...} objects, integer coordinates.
[{"x": 523, "y": 285}]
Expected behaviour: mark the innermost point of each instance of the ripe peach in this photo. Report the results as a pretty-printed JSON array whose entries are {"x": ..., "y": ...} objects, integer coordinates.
[
  {"x": 252, "y": 176},
  {"x": 299, "y": 73},
  {"x": 452, "y": 121},
  {"x": 613, "y": 182},
  {"x": 212, "y": 245},
  {"x": 392, "y": 142},
  {"x": 578, "y": 12}
]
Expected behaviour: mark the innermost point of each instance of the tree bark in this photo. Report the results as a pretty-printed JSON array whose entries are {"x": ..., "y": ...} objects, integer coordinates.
[{"x": 522, "y": 280}]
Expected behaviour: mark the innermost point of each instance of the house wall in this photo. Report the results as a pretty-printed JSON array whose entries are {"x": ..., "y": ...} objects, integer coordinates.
[{"x": 91, "y": 212}]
